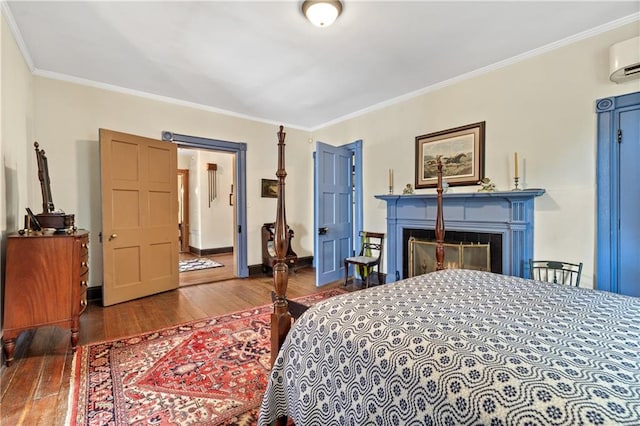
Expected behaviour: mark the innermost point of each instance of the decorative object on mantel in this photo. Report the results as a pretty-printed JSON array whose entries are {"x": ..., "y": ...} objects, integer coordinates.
[
  {"x": 462, "y": 153},
  {"x": 445, "y": 186},
  {"x": 515, "y": 183},
  {"x": 516, "y": 178},
  {"x": 390, "y": 181},
  {"x": 487, "y": 185},
  {"x": 408, "y": 190}
]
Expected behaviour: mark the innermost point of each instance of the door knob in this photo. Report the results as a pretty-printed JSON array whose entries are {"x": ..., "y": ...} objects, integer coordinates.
[
  {"x": 113, "y": 237},
  {"x": 323, "y": 231}
]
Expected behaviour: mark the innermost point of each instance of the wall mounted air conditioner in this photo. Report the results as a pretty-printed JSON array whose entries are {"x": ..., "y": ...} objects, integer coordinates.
[{"x": 624, "y": 60}]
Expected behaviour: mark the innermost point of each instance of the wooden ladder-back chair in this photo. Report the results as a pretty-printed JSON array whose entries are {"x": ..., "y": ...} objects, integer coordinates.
[
  {"x": 370, "y": 257},
  {"x": 554, "y": 271}
]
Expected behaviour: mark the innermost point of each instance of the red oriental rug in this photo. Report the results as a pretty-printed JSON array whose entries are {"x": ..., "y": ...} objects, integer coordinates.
[{"x": 212, "y": 371}]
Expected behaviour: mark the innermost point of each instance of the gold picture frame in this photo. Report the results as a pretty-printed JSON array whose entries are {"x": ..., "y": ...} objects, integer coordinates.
[{"x": 461, "y": 150}]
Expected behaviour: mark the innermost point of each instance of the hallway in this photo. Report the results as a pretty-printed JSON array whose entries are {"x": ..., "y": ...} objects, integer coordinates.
[{"x": 209, "y": 275}]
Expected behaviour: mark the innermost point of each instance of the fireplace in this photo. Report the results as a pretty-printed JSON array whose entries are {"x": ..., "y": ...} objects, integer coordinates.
[
  {"x": 506, "y": 217},
  {"x": 470, "y": 250}
]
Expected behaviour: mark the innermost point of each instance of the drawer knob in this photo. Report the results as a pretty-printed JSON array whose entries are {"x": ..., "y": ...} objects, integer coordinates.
[
  {"x": 113, "y": 237},
  {"x": 84, "y": 246},
  {"x": 83, "y": 264},
  {"x": 83, "y": 283}
]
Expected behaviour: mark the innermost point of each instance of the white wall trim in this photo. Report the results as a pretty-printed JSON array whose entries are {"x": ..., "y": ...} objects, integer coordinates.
[{"x": 160, "y": 98}]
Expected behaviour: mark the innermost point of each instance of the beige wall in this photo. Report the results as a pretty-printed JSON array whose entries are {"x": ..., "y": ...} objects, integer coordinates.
[
  {"x": 69, "y": 115},
  {"x": 211, "y": 224},
  {"x": 16, "y": 129},
  {"x": 16, "y": 121},
  {"x": 217, "y": 216},
  {"x": 543, "y": 108}
]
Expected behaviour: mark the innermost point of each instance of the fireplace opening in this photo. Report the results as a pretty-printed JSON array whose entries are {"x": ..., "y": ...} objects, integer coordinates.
[
  {"x": 471, "y": 250},
  {"x": 422, "y": 256}
]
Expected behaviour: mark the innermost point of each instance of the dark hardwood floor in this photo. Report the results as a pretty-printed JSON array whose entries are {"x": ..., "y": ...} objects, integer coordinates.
[{"x": 35, "y": 389}]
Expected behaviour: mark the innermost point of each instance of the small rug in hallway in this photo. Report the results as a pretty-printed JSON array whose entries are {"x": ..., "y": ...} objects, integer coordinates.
[
  {"x": 212, "y": 371},
  {"x": 198, "y": 263}
]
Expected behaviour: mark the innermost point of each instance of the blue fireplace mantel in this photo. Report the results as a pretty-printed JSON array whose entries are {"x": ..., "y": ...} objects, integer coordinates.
[{"x": 509, "y": 213}]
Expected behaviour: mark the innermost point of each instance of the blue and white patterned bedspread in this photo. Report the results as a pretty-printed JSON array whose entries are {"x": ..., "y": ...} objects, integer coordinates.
[{"x": 461, "y": 348}]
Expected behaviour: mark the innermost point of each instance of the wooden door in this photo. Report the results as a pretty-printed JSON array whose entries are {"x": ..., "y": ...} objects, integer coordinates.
[
  {"x": 628, "y": 266},
  {"x": 618, "y": 194},
  {"x": 139, "y": 216},
  {"x": 183, "y": 209},
  {"x": 334, "y": 211}
]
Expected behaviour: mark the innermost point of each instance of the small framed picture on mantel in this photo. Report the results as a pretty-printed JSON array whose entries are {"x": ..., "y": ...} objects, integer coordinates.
[{"x": 461, "y": 151}]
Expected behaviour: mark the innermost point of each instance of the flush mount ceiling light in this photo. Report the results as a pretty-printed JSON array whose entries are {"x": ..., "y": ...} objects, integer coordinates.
[{"x": 322, "y": 13}]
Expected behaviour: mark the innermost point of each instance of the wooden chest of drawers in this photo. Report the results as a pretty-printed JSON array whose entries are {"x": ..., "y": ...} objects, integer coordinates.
[{"x": 45, "y": 284}]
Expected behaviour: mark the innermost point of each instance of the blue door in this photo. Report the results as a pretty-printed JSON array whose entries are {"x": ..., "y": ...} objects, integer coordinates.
[
  {"x": 629, "y": 210},
  {"x": 333, "y": 194},
  {"x": 618, "y": 174}
]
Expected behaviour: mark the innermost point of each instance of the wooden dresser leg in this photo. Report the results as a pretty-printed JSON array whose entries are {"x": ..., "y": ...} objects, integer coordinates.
[
  {"x": 346, "y": 273},
  {"x": 74, "y": 338},
  {"x": 8, "y": 345}
]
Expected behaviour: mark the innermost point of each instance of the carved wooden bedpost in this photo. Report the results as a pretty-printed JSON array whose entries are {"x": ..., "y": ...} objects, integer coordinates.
[
  {"x": 439, "y": 223},
  {"x": 280, "y": 318}
]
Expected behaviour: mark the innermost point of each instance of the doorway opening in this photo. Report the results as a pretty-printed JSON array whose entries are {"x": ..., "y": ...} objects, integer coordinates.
[
  {"x": 221, "y": 193},
  {"x": 206, "y": 215}
]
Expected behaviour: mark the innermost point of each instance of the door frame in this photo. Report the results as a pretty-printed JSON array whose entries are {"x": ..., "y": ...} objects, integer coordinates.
[
  {"x": 608, "y": 188},
  {"x": 356, "y": 150},
  {"x": 240, "y": 151}
]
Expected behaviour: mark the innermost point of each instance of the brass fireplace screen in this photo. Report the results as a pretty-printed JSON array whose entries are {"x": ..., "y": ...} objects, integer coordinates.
[{"x": 422, "y": 256}]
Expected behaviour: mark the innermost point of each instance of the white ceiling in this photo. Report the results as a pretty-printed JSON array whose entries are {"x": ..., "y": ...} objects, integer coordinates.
[{"x": 263, "y": 60}]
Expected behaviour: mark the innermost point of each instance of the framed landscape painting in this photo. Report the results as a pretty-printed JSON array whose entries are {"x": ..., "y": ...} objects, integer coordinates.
[
  {"x": 461, "y": 151},
  {"x": 269, "y": 188}
]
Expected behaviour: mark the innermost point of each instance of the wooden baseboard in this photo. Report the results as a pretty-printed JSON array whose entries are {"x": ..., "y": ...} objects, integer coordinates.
[
  {"x": 301, "y": 262},
  {"x": 210, "y": 251},
  {"x": 94, "y": 294}
]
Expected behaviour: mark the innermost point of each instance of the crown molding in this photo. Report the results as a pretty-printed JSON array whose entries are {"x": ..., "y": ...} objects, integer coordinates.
[
  {"x": 635, "y": 17},
  {"x": 17, "y": 35}
]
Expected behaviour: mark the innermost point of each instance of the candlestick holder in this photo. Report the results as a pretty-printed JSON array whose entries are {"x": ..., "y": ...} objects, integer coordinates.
[
  {"x": 390, "y": 189},
  {"x": 515, "y": 183}
]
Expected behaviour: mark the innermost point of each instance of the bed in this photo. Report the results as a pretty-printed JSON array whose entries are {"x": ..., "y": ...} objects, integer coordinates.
[
  {"x": 456, "y": 347},
  {"x": 461, "y": 347}
]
